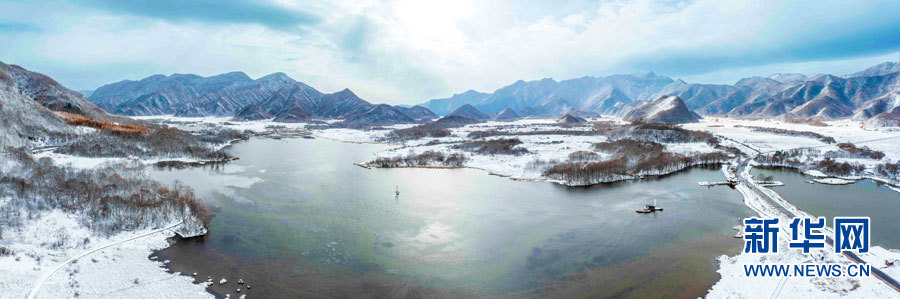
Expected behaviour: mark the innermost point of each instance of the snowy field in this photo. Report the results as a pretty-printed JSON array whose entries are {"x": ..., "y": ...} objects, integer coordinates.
[
  {"x": 885, "y": 140},
  {"x": 46, "y": 244}
]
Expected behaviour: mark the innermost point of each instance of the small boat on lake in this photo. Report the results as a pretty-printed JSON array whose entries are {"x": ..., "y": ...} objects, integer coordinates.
[{"x": 650, "y": 209}]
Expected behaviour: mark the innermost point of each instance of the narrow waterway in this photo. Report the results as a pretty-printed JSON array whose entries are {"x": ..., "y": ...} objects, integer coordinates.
[{"x": 295, "y": 218}]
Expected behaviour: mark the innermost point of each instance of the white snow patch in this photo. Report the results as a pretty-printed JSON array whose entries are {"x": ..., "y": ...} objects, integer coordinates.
[
  {"x": 815, "y": 173},
  {"x": 833, "y": 181}
]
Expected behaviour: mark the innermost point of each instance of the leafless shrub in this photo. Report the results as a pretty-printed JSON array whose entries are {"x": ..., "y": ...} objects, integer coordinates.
[
  {"x": 786, "y": 132},
  {"x": 540, "y": 165},
  {"x": 582, "y": 156},
  {"x": 110, "y": 199},
  {"x": 417, "y": 132},
  {"x": 627, "y": 163},
  {"x": 833, "y": 167},
  {"x": 495, "y": 133},
  {"x": 664, "y": 133},
  {"x": 628, "y": 147},
  {"x": 891, "y": 170},
  {"x": 161, "y": 141},
  {"x": 783, "y": 158},
  {"x": 494, "y": 147},
  {"x": 851, "y": 151},
  {"x": 428, "y": 158},
  {"x": 810, "y": 121}
]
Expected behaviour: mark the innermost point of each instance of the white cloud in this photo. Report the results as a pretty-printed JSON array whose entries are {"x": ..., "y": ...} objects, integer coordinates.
[{"x": 409, "y": 51}]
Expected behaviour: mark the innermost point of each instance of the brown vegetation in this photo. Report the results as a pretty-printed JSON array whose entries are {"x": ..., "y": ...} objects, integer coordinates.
[
  {"x": 6, "y": 78},
  {"x": 862, "y": 152},
  {"x": 80, "y": 120},
  {"x": 833, "y": 167},
  {"x": 891, "y": 170}
]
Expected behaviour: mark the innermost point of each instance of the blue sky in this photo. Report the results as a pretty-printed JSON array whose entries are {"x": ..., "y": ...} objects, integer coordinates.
[{"x": 411, "y": 51}]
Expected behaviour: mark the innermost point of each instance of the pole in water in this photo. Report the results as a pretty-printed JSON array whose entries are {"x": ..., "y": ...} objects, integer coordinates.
[{"x": 397, "y": 190}]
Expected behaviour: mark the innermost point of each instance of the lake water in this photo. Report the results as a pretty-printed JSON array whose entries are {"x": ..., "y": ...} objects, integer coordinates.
[
  {"x": 295, "y": 218},
  {"x": 863, "y": 198}
]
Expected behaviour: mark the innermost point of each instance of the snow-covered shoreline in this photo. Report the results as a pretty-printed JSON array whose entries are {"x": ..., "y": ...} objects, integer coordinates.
[
  {"x": 56, "y": 252},
  {"x": 120, "y": 269}
]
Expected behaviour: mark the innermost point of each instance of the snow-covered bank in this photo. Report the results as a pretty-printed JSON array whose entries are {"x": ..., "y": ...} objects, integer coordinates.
[
  {"x": 122, "y": 270},
  {"x": 736, "y": 284},
  {"x": 80, "y": 229}
]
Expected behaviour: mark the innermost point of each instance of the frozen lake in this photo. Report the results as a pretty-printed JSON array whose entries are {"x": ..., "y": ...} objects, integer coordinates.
[{"x": 295, "y": 218}]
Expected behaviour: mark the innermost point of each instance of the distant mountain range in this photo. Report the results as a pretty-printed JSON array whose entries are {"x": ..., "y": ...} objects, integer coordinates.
[
  {"x": 236, "y": 94},
  {"x": 862, "y": 95}
]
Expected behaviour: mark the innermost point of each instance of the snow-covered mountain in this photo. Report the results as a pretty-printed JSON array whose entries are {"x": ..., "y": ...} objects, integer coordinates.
[
  {"x": 380, "y": 114},
  {"x": 507, "y": 114},
  {"x": 786, "y": 95},
  {"x": 470, "y": 112},
  {"x": 235, "y": 94},
  {"x": 447, "y": 105},
  {"x": 665, "y": 109},
  {"x": 48, "y": 93},
  {"x": 299, "y": 102},
  {"x": 879, "y": 69},
  {"x": 251, "y": 112},
  {"x": 24, "y": 119},
  {"x": 547, "y": 97},
  {"x": 569, "y": 119},
  {"x": 187, "y": 94},
  {"x": 417, "y": 112}
]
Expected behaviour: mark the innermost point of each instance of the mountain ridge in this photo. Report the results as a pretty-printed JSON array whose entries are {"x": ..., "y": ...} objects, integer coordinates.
[{"x": 783, "y": 95}]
